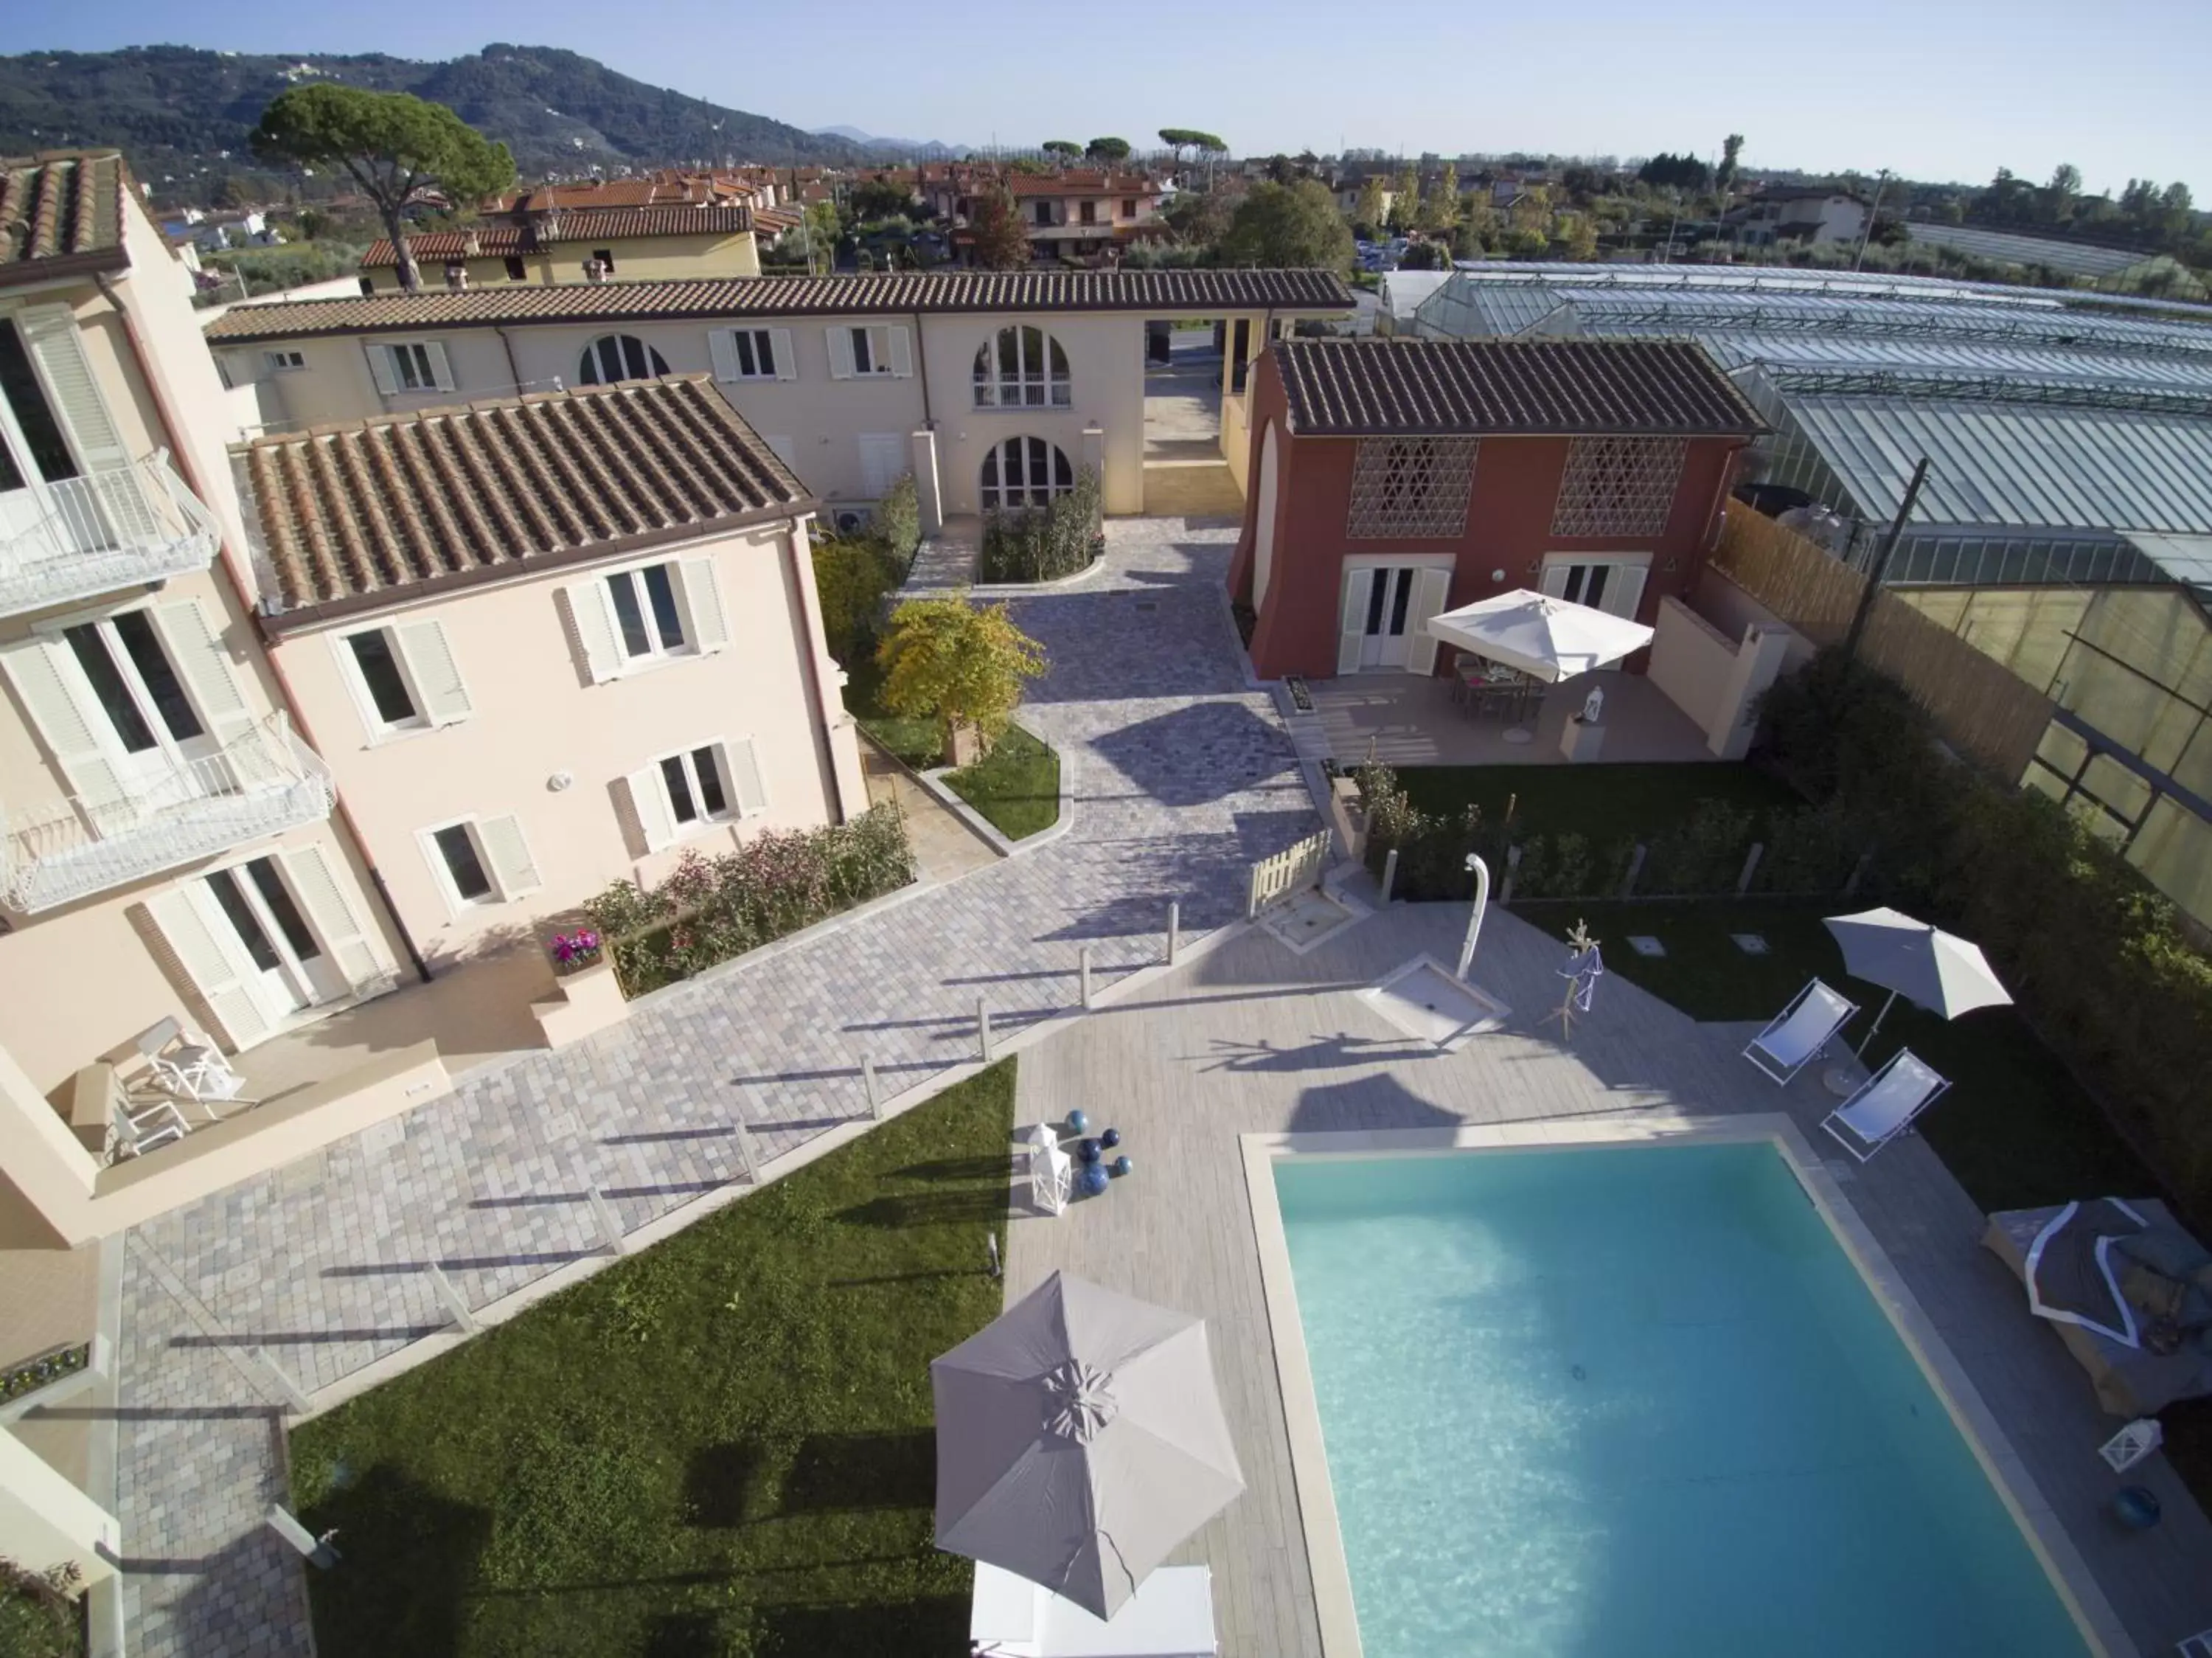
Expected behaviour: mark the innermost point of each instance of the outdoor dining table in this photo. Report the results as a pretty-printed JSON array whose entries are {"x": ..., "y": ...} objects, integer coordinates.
[{"x": 1486, "y": 687}]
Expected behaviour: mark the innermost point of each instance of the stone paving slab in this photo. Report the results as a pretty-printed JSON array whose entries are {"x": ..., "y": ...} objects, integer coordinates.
[{"x": 1182, "y": 776}]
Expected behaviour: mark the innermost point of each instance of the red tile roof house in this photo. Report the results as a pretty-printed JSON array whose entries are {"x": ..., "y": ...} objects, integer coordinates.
[{"x": 1399, "y": 478}]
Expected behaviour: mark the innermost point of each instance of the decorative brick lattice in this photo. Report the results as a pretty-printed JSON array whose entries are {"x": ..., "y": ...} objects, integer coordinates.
[
  {"x": 1618, "y": 485},
  {"x": 1411, "y": 486}
]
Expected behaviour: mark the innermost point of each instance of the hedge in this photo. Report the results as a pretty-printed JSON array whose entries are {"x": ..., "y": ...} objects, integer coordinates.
[{"x": 1043, "y": 544}]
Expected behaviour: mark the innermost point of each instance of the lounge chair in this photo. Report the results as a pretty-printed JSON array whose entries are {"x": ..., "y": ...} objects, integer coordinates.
[
  {"x": 1171, "y": 1616},
  {"x": 1794, "y": 1036},
  {"x": 1885, "y": 1105},
  {"x": 139, "y": 1129}
]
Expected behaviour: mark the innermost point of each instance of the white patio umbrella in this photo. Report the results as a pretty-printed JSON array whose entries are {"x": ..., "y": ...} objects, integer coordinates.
[
  {"x": 1925, "y": 965},
  {"x": 1079, "y": 1440},
  {"x": 1552, "y": 639}
]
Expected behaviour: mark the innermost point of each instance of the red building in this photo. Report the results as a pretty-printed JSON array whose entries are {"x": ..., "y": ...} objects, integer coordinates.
[{"x": 1393, "y": 479}]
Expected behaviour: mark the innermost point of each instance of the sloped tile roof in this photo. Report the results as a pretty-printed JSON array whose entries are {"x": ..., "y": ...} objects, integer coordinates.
[
  {"x": 1352, "y": 388},
  {"x": 379, "y": 509},
  {"x": 1079, "y": 183},
  {"x": 606, "y": 224},
  {"x": 1200, "y": 292},
  {"x": 60, "y": 206}
]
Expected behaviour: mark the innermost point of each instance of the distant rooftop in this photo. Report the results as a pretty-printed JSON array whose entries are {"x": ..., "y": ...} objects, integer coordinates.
[{"x": 581, "y": 224}]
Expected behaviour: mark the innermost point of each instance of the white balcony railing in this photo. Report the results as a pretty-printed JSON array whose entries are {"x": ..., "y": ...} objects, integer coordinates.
[
  {"x": 103, "y": 531},
  {"x": 264, "y": 781}
]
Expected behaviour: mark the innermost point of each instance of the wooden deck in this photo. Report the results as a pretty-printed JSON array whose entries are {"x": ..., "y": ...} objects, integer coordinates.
[{"x": 1252, "y": 1037}]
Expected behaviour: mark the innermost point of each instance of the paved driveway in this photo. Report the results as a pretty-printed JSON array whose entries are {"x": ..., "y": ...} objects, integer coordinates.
[{"x": 1181, "y": 777}]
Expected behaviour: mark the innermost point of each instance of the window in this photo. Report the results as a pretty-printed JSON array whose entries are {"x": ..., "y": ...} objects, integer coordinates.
[
  {"x": 1089, "y": 212},
  {"x": 132, "y": 679},
  {"x": 285, "y": 362},
  {"x": 752, "y": 353},
  {"x": 465, "y": 864},
  {"x": 613, "y": 357},
  {"x": 605, "y": 258},
  {"x": 878, "y": 351},
  {"x": 381, "y": 674},
  {"x": 1022, "y": 368},
  {"x": 1618, "y": 485},
  {"x": 516, "y": 271},
  {"x": 695, "y": 790},
  {"x": 1024, "y": 471},
  {"x": 646, "y": 616},
  {"x": 404, "y": 677},
  {"x": 1615, "y": 585},
  {"x": 1129, "y": 207},
  {"x": 1044, "y": 212},
  {"x": 1411, "y": 487},
  {"x": 368, "y": 285},
  {"x": 457, "y": 273},
  {"x": 40, "y": 431},
  {"x": 412, "y": 368}
]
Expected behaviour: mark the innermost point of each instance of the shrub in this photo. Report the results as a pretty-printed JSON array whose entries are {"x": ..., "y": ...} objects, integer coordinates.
[
  {"x": 947, "y": 661},
  {"x": 853, "y": 576},
  {"x": 1043, "y": 544},
  {"x": 898, "y": 521},
  {"x": 39, "y": 1615},
  {"x": 712, "y": 909}
]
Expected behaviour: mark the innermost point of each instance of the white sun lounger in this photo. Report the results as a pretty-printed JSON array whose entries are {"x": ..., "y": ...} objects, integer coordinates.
[
  {"x": 1171, "y": 1616},
  {"x": 1794, "y": 1038},
  {"x": 1885, "y": 1105}
]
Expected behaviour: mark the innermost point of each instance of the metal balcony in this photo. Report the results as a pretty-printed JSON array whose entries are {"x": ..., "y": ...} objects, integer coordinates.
[
  {"x": 103, "y": 531},
  {"x": 266, "y": 781}
]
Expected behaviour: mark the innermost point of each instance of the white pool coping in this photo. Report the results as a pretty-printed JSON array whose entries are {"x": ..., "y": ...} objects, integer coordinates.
[{"x": 2099, "y": 1624}]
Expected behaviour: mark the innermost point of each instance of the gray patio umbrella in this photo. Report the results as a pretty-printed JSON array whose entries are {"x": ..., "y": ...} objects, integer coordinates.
[
  {"x": 1080, "y": 1439},
  {"x": 1923, "y": 963}
]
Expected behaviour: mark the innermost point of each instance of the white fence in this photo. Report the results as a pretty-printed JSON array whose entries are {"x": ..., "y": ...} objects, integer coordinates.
[{"x": 1289, "y": 871}]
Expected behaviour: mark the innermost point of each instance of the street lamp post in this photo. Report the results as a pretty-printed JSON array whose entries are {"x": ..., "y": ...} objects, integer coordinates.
[{"x": 1481, "y": 873}]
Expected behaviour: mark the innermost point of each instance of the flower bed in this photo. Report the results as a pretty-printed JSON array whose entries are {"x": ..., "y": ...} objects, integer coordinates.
[
  {"x": 29, "y": 1378},
  {"x": 711, "y": 910}
]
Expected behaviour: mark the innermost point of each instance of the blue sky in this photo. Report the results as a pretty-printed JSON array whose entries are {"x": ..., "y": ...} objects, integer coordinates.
[{"x": 1936, "y": 89}]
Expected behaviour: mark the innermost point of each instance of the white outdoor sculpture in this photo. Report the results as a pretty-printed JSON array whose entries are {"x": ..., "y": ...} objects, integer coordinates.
[{"x": 1594, "y": 705}]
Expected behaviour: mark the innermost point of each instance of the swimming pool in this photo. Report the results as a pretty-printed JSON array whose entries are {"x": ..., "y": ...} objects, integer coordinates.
[{"x": 1633, "y": 1399}]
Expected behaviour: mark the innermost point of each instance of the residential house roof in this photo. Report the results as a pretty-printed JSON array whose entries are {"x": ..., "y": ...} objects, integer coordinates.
[
  {"x": 61, "y": 212},
  {"x": 599, "y": 224},
  {"x": 1202, "y": 293},
  {"x": 1356, "y": 387},
  {"x": 1077, "y": 182},
  {"x": 376, "y": 511}
]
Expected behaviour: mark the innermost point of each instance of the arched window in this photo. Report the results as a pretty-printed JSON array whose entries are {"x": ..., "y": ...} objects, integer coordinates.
[
  {"x": 1024, "y": 471},
  {"x": 612, "y": 357},
  {"x": 1022, "y": 368}
]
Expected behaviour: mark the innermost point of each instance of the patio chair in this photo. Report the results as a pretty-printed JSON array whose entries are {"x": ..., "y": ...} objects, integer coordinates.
[
  {"x": 1798, "y": 1035},
  {"x": 1170, "y": 1615},
  {"x": 1885, "y": 1105},
  {"x": 136, "y": 1133},
  {"x": 195, "y": 1069}
]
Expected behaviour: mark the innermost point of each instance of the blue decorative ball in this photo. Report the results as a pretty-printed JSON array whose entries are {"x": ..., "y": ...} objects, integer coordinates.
[
  {"x": 1088, "y": 1151},
  {"x": 2136, "y": 1508},
  {"x": 1076, "y": 1122},
  {"x": 1111, "y": 1137},
  {"x": 1094, "y": 1178},
  {"x": 1123, "y": 1165}
]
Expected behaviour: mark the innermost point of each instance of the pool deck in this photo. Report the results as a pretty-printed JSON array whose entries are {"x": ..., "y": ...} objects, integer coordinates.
[{"x": 1252, "y": 1038}]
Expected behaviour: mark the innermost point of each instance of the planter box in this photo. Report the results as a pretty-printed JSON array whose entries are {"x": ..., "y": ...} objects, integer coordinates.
[{"x": 589, "y": 1001}]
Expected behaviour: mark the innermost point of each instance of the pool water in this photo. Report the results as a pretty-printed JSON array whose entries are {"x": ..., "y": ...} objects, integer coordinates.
[{"x": 1635, "y": 1400}]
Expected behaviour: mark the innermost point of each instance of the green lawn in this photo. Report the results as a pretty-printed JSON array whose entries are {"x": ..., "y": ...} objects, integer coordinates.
[
  {"x": 1596, "y": 800},
  {"x": 1016, "y": 786},
  {"x": 914, "y": 741},
  {"x": 721, "y": 1447}
]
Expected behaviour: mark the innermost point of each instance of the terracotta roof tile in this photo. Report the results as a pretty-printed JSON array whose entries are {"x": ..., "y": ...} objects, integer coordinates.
[
  {"x": 1200, "y": 292},
  {"x": 1350, "y": 387},
  {"x": 573, "y": 225},
  {"x": 1074, "y": 183},
  {"x": 379, "y": 509},
  {"x": 60, "y": 206}
]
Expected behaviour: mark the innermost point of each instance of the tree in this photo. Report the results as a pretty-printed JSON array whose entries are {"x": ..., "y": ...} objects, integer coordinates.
[
  {"x": 1200, "y": 218},
  {"x": 1374, "y": 201},
  {"x": 878, "y": 198},
  {"x": 1180, "y": 138},
  {"x": 1731, "y": 147},
  {"x": 1684, "y": 172},
  {"x": 393, "y": 145},
  {"x": 1439, "y": 209},
  {"x": 945, "y": 660},
  {"x": 1290, "y": 225},
  {"x": 1067, "y": 150},
  {"x": 1579, "y": 231},
  {"x": 1110, "y": 151},
  {"x": 823, "y": 229},
  {"x": 1001, "y": 241},
  {"x": 2058, "y": 195},
  {"x": 1425, "y": 256}
]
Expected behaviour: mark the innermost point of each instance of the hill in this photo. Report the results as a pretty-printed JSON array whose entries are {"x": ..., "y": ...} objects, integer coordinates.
[{"x": 182, "y": 115}]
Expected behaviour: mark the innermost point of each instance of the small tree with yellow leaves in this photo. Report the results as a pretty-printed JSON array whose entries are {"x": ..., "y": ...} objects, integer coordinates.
[{"x": 945, "y": 659}]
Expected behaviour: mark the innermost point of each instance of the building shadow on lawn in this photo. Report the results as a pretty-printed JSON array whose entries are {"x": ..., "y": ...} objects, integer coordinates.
[
  {"x": 935, "y": 1623},
  {"x": 393, "y": 1530},
  {"x": 838, "y": 1473},
  {"x": 980, "y": 1206}
]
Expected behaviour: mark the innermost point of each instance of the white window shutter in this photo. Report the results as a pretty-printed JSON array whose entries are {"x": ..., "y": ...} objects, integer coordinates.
[
  {"x": 437, "y": 677},
  {"x": 442, "y": 370},
  {"x": 787, "y": 359},
  {"x": 195, "y": 647},
  {"x": 1352, "y": 623},
  {"x": 508, "y": 854},
  {"x": 50, "y": 334},
  {"x": 205, "y": 967},
  {"x": 703, "y": 597},
  {"x": 741, "y": 771},
  {"x": 841, "y": 352},
  {"x": 722, "y": 346},
  {"x": 1431, "y": 588},
  {"x": 1555, "y": 580},
  {"x": 641, "y": 807},
  {"x": 1625, "y": 590},
  {"x": 902, "y": 355},
  {"x": 588, "y": 611},
  {"x": 355, "y": 948},
  {"x": 380, "y": 370},
  {"x": 71, "y": 729}
]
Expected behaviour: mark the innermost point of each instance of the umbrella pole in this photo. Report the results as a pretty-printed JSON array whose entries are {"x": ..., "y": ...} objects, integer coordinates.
[{"x": 1866, "y": 1040}]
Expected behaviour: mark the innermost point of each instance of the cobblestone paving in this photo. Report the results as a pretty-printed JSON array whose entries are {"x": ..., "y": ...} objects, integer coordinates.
[{"x": 1181, "y": 777}]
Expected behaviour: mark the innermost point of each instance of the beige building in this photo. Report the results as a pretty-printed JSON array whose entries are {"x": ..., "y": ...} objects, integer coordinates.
[
  {"x": 601, "y": 649},
  {"x": 538, "y": 246},
  {"x": 993, "y": 389}
]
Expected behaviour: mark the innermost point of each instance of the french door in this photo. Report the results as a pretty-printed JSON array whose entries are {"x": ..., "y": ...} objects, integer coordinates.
[
  {"x": 1614, "y": 586},
  {"x": 1382, "y": 625},
  {"x": 258, "y": 924},
  {"x": 33, "y": 451},
  {"x": 145, "y": 717},
  {"x": 1390, "y": 602}
]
